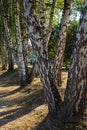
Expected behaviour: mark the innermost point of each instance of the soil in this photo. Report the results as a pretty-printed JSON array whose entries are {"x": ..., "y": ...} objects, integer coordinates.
[{"x": 25, "y": 109}]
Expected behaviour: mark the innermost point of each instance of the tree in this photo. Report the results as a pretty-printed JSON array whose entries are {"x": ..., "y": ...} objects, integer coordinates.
[
  {"x": 24, "y": 37},
  {"x": 44, "y": 32},
  {"x": 62, "y": 41},
  {"x": 39, "y": 44},
  {"x": 75, "y": 95},
  {"x": 76, "y": 92},
  {"x": 21, "y": 64},
  {"x": 8, "y": 38},
  {"x": 3, "y": 53}
]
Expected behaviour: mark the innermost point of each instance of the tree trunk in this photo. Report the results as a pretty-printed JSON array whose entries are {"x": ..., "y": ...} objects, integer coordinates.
[
  {"x": 62, "y": 41},
  {"x": 33, "y": 72},
  {"x": 40, "y": 50},
  {"x": 24, "y": 35},
  {"x": 42, "y": 17},
  {"x": 49, "y": 30},
  {"x": 8, "y": 40},
  {"x": 44, "y": 34},
  {"x": 75, "y": 100},
  {"x": 21, "y": 64},
  {"x": 3, "y": 54}
]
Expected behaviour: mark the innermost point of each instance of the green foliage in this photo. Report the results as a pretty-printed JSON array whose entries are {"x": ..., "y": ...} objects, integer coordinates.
[
  {"x": 60, "y": 4},
  {"x": 52, "y": 42},
  {"x": 77, "y": 4},
  {"x": 69, "y": 42},
  {"x": 70, "y": 39}
]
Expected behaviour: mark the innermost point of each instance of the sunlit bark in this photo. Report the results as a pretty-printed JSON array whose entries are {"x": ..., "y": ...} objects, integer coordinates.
[
  {"x": 62, "y": 41},
  {"x": 49, "y": 30},
  {"x": 75, "y": 100},
  {"x": 21, "y": 64},
  {"x": 24, "y": 37},
  {"x": 40, "y": 50}
]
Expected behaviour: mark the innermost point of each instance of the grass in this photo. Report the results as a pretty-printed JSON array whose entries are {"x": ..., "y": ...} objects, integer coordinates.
[{"x": 25, "y": 109}]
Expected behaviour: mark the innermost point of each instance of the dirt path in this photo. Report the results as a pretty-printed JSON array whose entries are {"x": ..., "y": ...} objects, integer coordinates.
[
  {"x": 20, "y": 109},
  {"x": 23, "y": 109}
]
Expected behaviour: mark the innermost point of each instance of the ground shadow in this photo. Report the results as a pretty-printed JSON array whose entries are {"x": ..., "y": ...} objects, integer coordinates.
[
  {"x": 9, "y": 78},
  {"x": 26, "y": 106},
  {"x": 3, "y": 95},
  {"x": 44, "y": 125}
]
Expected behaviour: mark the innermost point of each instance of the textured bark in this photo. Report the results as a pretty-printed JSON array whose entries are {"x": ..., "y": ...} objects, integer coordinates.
[
  {"x": 62, "y": 41},
  {"x": 42, "y": 18},
  {"x": 24, "y": 36},
  {"x": 75, "y": 100},
  {"x": 33, "y": 72},
  {"x": 8, "y": 39},
  {"x": 49, "y": 30},
  {"x": 21, "y": 65},
  {"x": 40, "y": 50},
  {"x": 3, "y": 54},
  {"x": 45, "y": 34}
]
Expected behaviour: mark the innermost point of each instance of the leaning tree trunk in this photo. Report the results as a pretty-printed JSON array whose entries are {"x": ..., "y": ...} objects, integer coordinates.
[
  {"x": 42, "y": 17},
  {"x": 21, "y": 64},
  {"x": 33, "y": 72},
  {"x": 62, "y": 41},
  {"x": 50, "y": 26},
  {"x": 75, "y": 100},
  {"x": 45, "y": 34},
  {"x": 8, "y": 40},
  {"x": 40, "y": 50},
  {"x": 3, "y": 54}
]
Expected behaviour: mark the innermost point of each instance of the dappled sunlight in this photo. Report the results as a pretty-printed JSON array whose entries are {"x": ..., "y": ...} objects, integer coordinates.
[
  {"x": 25, "y": 109},
  {"x": 9, "y": 78},
  {"x": 20, "y": 105},
  {"x": 30, "y": 120}
]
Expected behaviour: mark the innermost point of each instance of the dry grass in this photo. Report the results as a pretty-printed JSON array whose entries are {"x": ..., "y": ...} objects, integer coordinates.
[{"x": 25, "y": 109}]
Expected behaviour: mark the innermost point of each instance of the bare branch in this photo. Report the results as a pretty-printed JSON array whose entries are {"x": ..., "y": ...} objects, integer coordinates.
[{"x": 51, "y": 19}]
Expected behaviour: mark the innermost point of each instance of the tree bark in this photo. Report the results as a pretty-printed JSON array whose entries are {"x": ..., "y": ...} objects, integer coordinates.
[
  {"x": 49, "y": 30},
  {"x": 75, "y": 100},
  {"x": 3, "y": 54},
  {"x": 40, "y": 50},
  {"x": 8, "y": 39},
  {"x": 21, "y": 64},
  {"x": 24, "y": 36},
  {"x": 33, "y": 72},
  {"x": 62, "y": 41},
  {"x": 42, "y": 18}
]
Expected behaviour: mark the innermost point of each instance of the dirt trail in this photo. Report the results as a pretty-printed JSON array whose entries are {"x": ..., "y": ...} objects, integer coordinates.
[
  {"x": 23, "y": 109},
  {"x": 20, "y": 109}
]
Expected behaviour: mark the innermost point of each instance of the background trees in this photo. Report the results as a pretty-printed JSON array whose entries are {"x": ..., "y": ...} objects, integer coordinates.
[{"x": 40, "y": 23}]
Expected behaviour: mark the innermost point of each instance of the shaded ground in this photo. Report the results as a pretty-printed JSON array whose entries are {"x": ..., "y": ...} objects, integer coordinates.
[{"x": 26, "y": 109}]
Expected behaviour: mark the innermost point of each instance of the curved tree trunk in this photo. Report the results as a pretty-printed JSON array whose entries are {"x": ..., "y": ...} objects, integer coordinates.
[
  {"x": 44, "y": 34},
  {"x": 40, "y": 50},
  {"x": 75, "y": 100},
  {"x": 33, "y": 72},
  {"x": 62, "y": 41},
  {"x": 49, "y": 30}
]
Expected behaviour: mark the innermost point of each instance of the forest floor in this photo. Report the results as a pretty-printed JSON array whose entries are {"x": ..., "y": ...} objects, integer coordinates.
[{"x": 25, "y": 109}]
